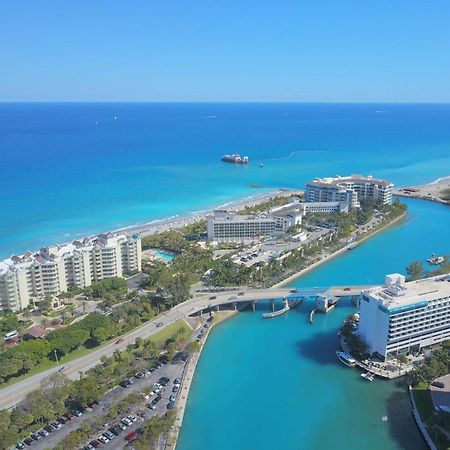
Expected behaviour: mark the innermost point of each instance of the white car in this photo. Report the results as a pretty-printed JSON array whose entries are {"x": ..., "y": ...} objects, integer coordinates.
[
  {"x": 103, "y": 439},
  {"x": 126, "y": 421},
  {"x": 131, "y": 418}
]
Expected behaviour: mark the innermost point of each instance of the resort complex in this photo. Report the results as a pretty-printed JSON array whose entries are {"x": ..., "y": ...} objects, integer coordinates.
[
  {"x": 405, "y": 317},
  {"x": 350, "y": 189},
  {"x": 57, "y": 268},
  {"x": 223, "y": 226}
]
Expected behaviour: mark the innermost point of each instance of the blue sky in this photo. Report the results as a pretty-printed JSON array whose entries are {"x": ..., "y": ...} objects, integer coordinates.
[{"x": 306, "y": 51}]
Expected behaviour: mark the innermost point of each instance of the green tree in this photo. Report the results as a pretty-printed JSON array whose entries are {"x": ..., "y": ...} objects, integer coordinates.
[{"x": 415, "y": 270}]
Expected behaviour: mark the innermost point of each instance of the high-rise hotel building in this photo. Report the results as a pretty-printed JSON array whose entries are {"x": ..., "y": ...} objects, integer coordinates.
[
  {"x": 402, "y": 317},
  {"x": 350, "y": 189},
  {"x": 55, "y": 269}
]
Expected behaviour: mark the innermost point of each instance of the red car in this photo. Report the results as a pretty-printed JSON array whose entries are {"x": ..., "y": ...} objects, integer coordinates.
[
  {"x": 119, "y": 341},
  {"x": 131, "y": 436}
]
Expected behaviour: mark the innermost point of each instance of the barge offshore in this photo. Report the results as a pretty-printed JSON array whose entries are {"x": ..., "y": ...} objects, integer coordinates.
[{"x": 235, "y": 158}]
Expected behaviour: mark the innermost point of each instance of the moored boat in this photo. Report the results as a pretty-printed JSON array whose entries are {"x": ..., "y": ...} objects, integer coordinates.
[
  {"x": 368, "y": 376},
  {"x": 435, "y": 260},
  {"x": 346, "y": 359}
]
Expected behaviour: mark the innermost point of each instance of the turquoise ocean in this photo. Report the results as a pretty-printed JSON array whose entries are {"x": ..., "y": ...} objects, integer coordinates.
[
  {"x": 68, "y": 170},
  {"x": 74, "y": 169}
]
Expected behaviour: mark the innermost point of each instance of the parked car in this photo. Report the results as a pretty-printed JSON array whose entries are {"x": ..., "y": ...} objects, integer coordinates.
[
  {"x": 126, "y": 421},
  {"x": 163, "y": 381},
  {"x": 159, "y": 324},
  {"x": 177, "y": 380},
  {"x": 88, "y": 447},
  {"x": 131, "y": 436},
  {"x": 43, "y": 432},
  {"x": 213, "y": 297},
  {"x": 132, "y": 418},
  {"x": 438, "y": 384},
  {"x": 49, "y": 428},
  {"x": 20, "y": 445},
  {"x": 62, "y": 420},
  {"x": 171, "y": 405},
  {"x": 28, "y": 441},
  {"x": 56, "y": 425},
  {"x": 36, "y": 436},
  {"x": 119, "y": 341},
  {"x": 95, "y": 443},
  {"x": 172, "y": 398},
  {"x": 77, "y": 413},
  {"x": 109, "y": 435},
  {"x": 175, "y": 388},
  {"x": 103, "y": 439}
]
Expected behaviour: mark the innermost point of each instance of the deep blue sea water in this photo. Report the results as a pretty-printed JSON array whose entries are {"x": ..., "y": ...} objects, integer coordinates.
[{"x": 74, "y": 169}]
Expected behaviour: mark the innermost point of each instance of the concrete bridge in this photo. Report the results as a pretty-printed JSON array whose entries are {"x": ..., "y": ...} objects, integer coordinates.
[{"x": 213, "y": 300}]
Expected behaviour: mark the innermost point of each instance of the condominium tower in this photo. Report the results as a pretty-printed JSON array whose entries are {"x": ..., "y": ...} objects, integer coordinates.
[
  {"x": 350, "y": 189},
  {"x": 55, "y": 269}
]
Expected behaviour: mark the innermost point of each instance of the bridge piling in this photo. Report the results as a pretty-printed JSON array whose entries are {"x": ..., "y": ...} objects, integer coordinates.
[
  {"x": 254, "y": 306},
  {"x": 272, "y": 305}
]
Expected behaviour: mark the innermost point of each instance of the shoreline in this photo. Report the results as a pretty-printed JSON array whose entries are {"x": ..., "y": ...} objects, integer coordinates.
[
  {"x": 186, "y": 382},
  {"x": 174, "y": 222},
  {"x": 429, "y": 191},
  {"x": 335, "y": 254}
]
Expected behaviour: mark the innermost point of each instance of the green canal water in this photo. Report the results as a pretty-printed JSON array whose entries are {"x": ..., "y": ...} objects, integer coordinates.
[{"x": 276, "y": 384}]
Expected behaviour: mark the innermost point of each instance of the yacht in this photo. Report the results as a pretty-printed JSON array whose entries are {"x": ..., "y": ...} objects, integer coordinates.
[
  {"x": 435, "y": 260},
  {"x": 368, "y": 376},
  {"x": 346, "y": 359}
]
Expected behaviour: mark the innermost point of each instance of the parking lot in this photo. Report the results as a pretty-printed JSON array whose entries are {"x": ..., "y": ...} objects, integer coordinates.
[{"x": 111, "y": 398}]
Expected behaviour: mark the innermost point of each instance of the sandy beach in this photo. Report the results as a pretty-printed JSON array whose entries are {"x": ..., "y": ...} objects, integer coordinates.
[
  {"x": 158, "y": 226},
  {"x": 433, "y": 191}
]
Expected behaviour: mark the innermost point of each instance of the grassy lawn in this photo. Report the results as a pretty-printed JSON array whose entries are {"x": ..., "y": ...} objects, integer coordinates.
[
  {"x": 424, "y": 402},
  {"x": 161, "y": 336},
  {"x": 49, "y": 364}
]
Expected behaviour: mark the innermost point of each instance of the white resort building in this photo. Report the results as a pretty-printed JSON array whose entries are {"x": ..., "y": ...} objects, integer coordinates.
[
  {"x": 350, "y": 189},
  {"x": 402, "y": 317},
  {"x": 55, "y": 269},
  {"x": 226, "y": 227}
]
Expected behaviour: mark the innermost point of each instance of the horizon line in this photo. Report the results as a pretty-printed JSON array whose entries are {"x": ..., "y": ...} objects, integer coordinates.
[{"x": 232, "y": 102}]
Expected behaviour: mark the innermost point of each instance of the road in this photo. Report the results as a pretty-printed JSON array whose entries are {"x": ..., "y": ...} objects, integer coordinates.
[{"x": 15, "y": 393}]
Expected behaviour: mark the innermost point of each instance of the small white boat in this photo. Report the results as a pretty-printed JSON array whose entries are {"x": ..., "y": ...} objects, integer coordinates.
[
  {"x": 435, "y": 260},
  {"x": 346, "y": 359},
  {"x": 368, "y": 376}
]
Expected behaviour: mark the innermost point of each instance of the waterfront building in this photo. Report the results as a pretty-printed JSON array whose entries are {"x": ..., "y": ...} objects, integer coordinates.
[
  {"x": 323, "y": 207},
  {"x": 349, "y": 189},
  {"x": 226, "y": 227},
  {"x": 57, "y": 268},
  {"x": 401, "y": 317}
]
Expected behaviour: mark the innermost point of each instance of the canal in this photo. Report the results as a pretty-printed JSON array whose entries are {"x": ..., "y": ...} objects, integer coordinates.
[{"x": 276, "y": 384}]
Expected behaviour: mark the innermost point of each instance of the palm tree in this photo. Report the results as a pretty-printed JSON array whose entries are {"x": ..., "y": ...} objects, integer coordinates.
[{"x": 44, "y": 322}]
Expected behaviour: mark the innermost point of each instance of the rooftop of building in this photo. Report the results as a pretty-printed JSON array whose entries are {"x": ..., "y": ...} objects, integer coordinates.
[
  {"x": 338, "y": 181},
  {"x": 51, "y": 253},
  {"x": 221, "y": 216},
  {"x": 412, "y": 292}
]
